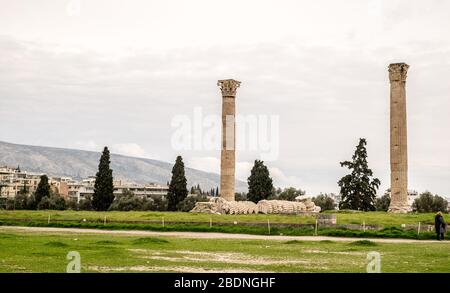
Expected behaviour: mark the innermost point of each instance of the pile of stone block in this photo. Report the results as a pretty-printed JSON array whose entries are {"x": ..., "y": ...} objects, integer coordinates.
[{"x": 218, "y": 205}]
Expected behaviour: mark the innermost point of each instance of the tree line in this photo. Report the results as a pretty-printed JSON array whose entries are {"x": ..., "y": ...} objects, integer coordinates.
[{"x": 358, "y": 191}]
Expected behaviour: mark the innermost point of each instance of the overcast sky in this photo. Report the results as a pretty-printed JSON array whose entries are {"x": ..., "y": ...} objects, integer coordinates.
[{"x": 84, "y": 74}]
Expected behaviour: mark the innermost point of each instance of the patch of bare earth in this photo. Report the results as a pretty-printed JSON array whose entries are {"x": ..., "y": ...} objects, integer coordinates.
[
  {"x": 334, "y": 252},
  {"x": 184, "y": 269},
  {"x": 217, "y": 257}
]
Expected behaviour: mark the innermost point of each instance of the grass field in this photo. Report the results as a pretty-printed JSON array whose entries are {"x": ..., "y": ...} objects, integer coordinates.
[
  {"x": 46, "y": 252},
  {"x": 350, "y": 224},
  {"x": 370, "y": 218}
]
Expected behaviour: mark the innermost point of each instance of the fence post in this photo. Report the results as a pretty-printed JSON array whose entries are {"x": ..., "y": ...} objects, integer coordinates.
[
  {"x": 210, "y": 222},
  {"x": 163, "y": 222},
  {"x": 418, "y": 230},
  {"x": 268, "y": 225},
  {"x": 364, "y": 226},
  {"x": 104, "y": 222},
  {"x": 317, "y": 225},
  {"x": 48, "y": 220}
]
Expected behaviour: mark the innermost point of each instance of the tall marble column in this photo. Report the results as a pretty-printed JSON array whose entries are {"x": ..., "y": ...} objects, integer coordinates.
[
  {"x": 228, "y": 153},
  {"x": 398, "y": 139}
]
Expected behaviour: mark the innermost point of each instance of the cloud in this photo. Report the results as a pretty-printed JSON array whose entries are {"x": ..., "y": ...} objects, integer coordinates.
[
  {"x": 129, "y": 149},
  {"x": 322, "y": 71},
  {"x": 243, "y": 169}
]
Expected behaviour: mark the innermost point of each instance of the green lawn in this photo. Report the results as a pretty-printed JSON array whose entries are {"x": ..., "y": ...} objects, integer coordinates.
[
  {"x": 349, "y": 223},
  {"x": 46, "y": 252},
  {"x": 370, "y": 218}
]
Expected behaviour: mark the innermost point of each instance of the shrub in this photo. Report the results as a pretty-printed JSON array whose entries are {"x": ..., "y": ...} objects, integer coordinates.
[
  {"x": 21, "y": 201},
  {"x": 31, "y": 203},
  {"x": 54, "y": 202},
  {"x": 72, "y": 204},
  {"x": 427, "y": 203},
  {"x": 189, "y": 202},
  {"x": 363, "y": 243},
  {"x": 157, "y": 204},
  {"x": 325, "y": 202},
  {"x": 127, "y": 202},
  {"x": 152, "y": 240},
  {"x": 85, "y": 204},
  {"x": 382, "y": 203}
]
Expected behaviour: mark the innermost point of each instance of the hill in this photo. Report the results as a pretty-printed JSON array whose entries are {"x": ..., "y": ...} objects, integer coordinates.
[{"x": 80, "y": 164}]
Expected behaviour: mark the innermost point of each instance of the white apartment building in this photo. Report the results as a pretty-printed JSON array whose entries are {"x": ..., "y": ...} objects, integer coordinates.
[{"x": 13, "y": 180}]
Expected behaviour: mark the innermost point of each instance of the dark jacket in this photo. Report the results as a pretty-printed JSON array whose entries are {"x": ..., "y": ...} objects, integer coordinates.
[{"x": 439, "y": 224}]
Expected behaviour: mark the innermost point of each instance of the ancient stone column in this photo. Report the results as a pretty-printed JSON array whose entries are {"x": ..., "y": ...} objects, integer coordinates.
[
  {"x": 227, "y": 156},
  {"x": 399, "y": 146}
]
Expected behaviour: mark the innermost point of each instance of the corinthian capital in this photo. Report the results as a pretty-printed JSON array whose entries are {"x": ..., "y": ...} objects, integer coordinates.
[
  {"x": 398, "y": 71},
  {"x": 228, "y": 87}
]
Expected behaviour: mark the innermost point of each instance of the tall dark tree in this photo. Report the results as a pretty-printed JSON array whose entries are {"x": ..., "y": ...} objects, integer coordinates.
[
  {"x": 358, "y": 189},
  {"x": 43, "y": 189},
  {"x": 217, "y": 191},
  {"x": 177, "y": 187},
  {"x": 259, "y": 183},
  {"x": 103, "y": 188}
]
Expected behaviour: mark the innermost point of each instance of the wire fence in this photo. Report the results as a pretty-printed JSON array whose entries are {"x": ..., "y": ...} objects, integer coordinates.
[{"x": 419, "y": 227}]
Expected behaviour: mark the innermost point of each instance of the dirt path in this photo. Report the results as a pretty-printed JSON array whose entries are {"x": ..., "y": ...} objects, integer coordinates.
[{"x": 201, "y": 235}]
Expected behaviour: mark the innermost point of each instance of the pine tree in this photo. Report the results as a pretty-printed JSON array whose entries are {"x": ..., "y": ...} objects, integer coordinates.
[
  {"x": 177, "y": 187},
  {"x": 358, "y": 190},
  {"x": 217, "y": 191},
  {"x": 103, "y": 189},
  {"x": 259, "y": 183},
  {"x": 42, "y": 190}
]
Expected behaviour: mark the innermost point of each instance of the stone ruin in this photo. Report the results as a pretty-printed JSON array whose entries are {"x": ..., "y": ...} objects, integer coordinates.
[{"x": 218, "y": 205}]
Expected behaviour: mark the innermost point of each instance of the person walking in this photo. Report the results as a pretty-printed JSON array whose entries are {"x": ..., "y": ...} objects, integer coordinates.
[{"x": 440, "y": 226}]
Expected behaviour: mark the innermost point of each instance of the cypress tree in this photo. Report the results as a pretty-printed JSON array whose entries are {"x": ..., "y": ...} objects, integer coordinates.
[
  {"x": 177, "y": 187},
  {"x": 259, "y": 183},
  {"x": 358, "y": 190},
  {"x": 42, "y": 190},
  {"x": 103, "y": 189},
  {"x": 217, "y": 191}
]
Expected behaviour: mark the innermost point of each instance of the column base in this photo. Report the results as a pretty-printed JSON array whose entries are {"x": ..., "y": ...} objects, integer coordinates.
[{"x": 399, "y": 209}]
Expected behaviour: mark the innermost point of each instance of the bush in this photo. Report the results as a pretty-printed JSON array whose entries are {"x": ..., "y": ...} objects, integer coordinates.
[
  {"x": 128, "y": 201},
  {"x": 85, "y": 204},
  {"x": 240, "y": 196},
  {"x": 189, "y": 202},
  {"x": 21, "y": 202},
  {"x": 31, "y": 202},
  {"x": 54, "y": 202},
  {"x": 427, "y": 203},
  {"x": 72, "y": 204},
  {"x": 289, "y": 194},
  {"x": 157, "y": 204},
  {"x": 325, "y": 202},
  {"x": 382, "y": 203}
]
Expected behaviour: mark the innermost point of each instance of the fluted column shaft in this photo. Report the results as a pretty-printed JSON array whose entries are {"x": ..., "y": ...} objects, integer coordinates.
[
  {"x": 228, "y": 150},
  {"x": 398, "y": 139}
]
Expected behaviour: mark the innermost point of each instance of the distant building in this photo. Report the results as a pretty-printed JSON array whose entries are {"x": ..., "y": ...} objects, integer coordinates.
[
  {"x": 412, "y": 195},
  {"x": 13, "y": 180}
]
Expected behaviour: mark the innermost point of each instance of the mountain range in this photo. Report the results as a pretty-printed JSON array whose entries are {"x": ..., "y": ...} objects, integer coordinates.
[{"x": 80, "y": 164}]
